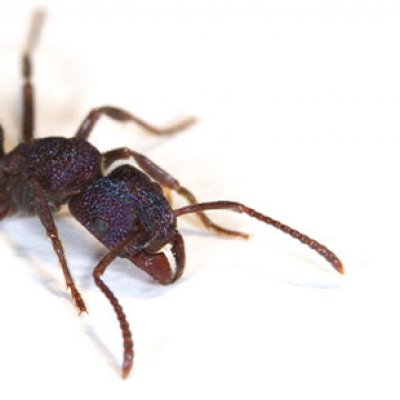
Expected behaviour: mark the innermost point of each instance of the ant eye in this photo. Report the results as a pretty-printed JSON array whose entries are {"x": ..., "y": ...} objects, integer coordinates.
[{"x": 100, "y": 225}]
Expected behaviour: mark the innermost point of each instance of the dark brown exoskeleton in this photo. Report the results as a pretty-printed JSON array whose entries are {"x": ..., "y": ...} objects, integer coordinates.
[{"x": 126, "y": 210}]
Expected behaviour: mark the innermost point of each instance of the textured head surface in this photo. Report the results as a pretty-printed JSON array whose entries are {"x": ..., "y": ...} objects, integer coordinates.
[{"x": 122, "y": 203}]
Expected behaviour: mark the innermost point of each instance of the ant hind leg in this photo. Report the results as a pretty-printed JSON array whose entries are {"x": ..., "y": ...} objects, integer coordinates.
[{"x": 28, "y": 91}]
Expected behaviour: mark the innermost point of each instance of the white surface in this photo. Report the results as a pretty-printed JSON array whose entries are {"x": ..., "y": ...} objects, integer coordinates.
[{"x": 299, "y": 118}]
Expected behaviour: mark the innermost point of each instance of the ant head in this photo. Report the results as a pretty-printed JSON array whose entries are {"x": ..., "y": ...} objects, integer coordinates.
[{"x": 122, "y": 204}]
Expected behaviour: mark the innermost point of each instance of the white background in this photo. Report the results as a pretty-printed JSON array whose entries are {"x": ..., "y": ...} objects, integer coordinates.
[{"x": 298, "y": 105}]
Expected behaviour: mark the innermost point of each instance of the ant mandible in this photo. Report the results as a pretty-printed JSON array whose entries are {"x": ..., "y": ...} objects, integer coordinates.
[{"x": 125, "y": 210}]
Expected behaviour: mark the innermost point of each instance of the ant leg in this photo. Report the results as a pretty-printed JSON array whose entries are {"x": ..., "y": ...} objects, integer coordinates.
[
  {"x": 168, "y": 194},
  {"x": 124, "y": 116},
  {"x": 240, "y": 208},
  {"x": 165, "y": 179},
  {"x": 28, "y": 92},
  {"x": 46, "y": 218}
]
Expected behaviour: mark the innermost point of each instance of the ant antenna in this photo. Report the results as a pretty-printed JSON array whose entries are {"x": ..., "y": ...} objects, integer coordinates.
[{"x": 240, "y": 208}]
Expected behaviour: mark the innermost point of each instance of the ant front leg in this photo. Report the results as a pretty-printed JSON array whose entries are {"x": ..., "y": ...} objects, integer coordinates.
[
  {"x": 46, "y": 218},
  {"x": 124, "y": 116},
  {"x": 167, "y": 180},
  {"x": 28, "y": 92}
]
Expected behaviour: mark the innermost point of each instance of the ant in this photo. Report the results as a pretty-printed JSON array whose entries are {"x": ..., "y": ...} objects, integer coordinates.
[{"x": 126, "y": 209}]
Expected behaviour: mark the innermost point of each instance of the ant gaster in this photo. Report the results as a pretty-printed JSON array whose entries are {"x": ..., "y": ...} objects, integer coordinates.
[{"x": 126, "y": 210}]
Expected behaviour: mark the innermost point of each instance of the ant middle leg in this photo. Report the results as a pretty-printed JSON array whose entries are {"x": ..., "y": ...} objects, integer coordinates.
[
  {"x": 121, "y": 115},
  {"x": 167, "y": 180},
  {"x": 28, "y": 91}
]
